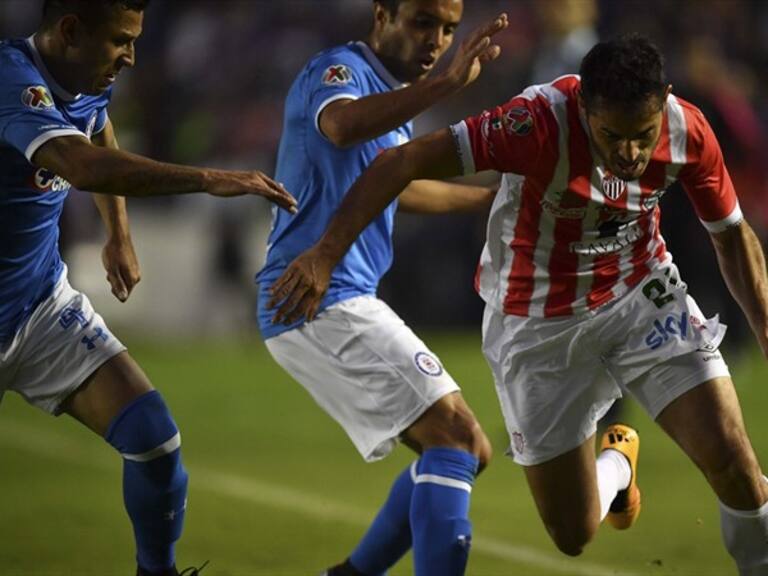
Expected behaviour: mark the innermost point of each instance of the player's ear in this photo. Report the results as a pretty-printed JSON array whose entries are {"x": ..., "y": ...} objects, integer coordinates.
[
  {"x": 70, "y": 29},
  {"x": 380, "y": 16}
]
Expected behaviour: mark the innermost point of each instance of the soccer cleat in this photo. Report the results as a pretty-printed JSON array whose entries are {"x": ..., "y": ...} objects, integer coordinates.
[
  {"x": 625, "y": 508},
  {"x": 191, "y": 571}
]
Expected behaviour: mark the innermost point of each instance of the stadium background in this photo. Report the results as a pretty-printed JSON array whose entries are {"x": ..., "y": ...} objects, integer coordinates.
[{"x": 276, "y": 489}]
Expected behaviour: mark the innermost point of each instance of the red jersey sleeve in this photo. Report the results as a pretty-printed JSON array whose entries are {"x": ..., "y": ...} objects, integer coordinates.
[
  {"x": 705, "y": 177},
  {"x": 508, "y": 138}
]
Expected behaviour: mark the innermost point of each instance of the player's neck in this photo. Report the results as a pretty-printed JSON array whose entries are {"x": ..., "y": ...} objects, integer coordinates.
[
  {"x": 52, "y": 56},
  {"x": 392, "y": 64}
]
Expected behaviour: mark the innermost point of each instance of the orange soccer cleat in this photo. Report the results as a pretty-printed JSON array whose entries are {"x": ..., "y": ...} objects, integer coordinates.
[{"x": 625, "y": 508}]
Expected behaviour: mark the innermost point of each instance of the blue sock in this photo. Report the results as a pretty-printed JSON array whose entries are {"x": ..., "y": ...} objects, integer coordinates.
[
  {"x": 389, "y": 536},
  {"x": 442, "y": 532},
  {"x": 154, "y": 479}
]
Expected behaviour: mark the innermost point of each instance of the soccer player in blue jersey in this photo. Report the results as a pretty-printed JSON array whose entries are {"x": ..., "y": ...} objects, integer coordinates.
[
  {"x": 55, "y": 350},
  {"x": 359, "y": 361}
]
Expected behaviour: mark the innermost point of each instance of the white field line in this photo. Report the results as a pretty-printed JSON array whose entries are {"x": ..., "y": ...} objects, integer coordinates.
[{"x": 23, "y": 436}]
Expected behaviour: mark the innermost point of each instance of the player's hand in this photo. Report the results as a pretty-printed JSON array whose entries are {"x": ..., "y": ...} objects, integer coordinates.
[
  {"x": 122, "y": 266},
  {"x": 475, "y": 51},
  {"x": 301, "y": 287},
  {"x": 238, "y": 183}
]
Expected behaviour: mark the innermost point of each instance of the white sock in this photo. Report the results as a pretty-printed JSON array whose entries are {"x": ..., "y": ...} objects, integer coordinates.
[
  {"x": 613, "y": 474},
  {"x": 745, "y": 534}
]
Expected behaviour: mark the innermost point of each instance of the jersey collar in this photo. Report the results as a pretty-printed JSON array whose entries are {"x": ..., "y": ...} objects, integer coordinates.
[
  {"x": 52, "y": 84},
  {"x": 376, "y": 64}
]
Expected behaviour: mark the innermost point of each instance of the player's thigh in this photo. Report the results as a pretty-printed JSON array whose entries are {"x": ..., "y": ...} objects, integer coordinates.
[
  {"x": 105, "y": 393},
  {"x": 550, "y": 381},
  {"x": 706, "y": 422}
]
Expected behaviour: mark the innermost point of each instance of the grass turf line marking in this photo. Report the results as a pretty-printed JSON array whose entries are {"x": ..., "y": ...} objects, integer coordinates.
[{"x": 17, "y": 435}]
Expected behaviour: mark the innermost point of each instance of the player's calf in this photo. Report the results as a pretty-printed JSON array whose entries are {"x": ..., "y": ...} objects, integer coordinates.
[{"x": 154, "y": 479}]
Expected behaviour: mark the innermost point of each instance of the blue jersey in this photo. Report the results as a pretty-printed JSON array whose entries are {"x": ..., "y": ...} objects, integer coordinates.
[
  {"x": 33, "y": 110},
  {"x": 319, "y": 174}
]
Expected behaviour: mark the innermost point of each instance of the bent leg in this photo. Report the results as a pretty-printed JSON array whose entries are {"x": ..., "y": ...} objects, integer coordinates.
[
  {"x": 706, "y": 422},
  {"x": 118, "y": 402},
  {"x": 566, "y": 495}
]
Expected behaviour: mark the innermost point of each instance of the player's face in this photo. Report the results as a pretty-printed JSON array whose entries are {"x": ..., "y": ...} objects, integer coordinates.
[
  {"x": 415, "y": 38},
  {"x": 106, "y": 49},
  {"x": 623, "y": 137}
]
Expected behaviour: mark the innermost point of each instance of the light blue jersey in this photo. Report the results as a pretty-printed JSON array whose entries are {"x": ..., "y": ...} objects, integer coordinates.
[
  {"x": 319, "y": 175},
  {"x": 33, "y": 110}
]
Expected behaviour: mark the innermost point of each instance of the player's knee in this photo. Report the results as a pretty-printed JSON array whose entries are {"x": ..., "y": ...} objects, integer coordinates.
[
  {"x": 571, "y": 540},
  {"x": 147, "y": 437},
  {"x": 736, "y": 478},
  {"x": 454, "y": 425}
]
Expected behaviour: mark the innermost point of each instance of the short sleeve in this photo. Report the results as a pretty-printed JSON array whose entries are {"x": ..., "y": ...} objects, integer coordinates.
[
  {"x": 28, "y": 114},
  {"x": 508, "y": 138},
  {"x": 101, "y": 121},
  {"x": 334, "y": 76},
  {"x": 705, "y": 177}
]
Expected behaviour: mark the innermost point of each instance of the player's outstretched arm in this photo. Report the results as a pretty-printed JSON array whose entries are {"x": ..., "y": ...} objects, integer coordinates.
[
  {"x": 436, "y": 197},
  {"x": 742, "y": 264},
  {"x": 120, "y": 173},
  {"x": 348, "y": 122},
  {"x": 301, "y": 287}
]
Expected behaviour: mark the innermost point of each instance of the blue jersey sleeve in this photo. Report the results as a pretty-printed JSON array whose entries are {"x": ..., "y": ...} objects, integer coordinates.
[
  {"x": 28, "y": 114},
  {"x": 336, "y": 75}
]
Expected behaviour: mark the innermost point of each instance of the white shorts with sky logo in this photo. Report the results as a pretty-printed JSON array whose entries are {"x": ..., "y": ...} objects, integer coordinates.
[{"x": 556, "y": 377}]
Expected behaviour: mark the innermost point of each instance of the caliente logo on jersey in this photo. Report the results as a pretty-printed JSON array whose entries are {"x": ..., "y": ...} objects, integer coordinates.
[
  {"x": 428, "y": 364},
  {"x": 518, "y": 121},
  {"x": 37, "y": 98},
  {"x": 337, "y": 74}
]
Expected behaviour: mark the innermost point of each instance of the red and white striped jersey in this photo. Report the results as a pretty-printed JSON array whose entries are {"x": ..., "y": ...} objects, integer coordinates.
[{"x": 565, "y": 236}]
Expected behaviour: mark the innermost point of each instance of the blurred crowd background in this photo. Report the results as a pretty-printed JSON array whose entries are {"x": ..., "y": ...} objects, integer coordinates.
[{"x": 209, "y": 86}]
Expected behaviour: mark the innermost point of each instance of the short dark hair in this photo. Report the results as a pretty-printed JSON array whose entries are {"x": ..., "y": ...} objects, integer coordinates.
[
  {"x": 391, "y": 6},
  {"x": 85, "y": 9},
  {"x": 626, "y": 71}
]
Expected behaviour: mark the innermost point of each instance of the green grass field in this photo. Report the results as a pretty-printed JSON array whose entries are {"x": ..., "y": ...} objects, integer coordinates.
[{"x": 276, "y": 488}]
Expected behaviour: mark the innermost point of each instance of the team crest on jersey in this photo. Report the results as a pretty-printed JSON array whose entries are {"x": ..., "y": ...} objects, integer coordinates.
[
  {"x": 518, "y": 121},
  {"x": 613, "y": 187},
  {"x": 37, "y": 98},
  {"x": 428, "y": 364},
  {"x": 337, "y": 75}
]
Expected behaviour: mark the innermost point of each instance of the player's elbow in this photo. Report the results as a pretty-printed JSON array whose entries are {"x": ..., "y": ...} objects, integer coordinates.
[{"x": 339, "y": 135}]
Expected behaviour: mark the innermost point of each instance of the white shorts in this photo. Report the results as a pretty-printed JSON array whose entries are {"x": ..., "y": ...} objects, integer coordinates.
[
  {"x": 556, "y": 377},
  {"x": 60, "y": 345},
  {"x": 366, "y": 369}
]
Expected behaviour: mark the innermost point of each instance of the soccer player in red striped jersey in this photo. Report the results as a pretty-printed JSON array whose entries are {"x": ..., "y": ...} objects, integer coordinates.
[{"x": 583, "y": 300}]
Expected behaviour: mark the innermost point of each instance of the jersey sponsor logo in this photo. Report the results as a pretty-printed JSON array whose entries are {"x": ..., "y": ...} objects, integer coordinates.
[
  {"x": 518, "y": 121},
  {"x": 626, "y": 236},
  {"x": 47, "y": 181},
  {"x": 37, "y": 98},
  {"x": 337, "y": 75},
  {"x": 428, "y": 364},
  {"x": 650, "y": 202},
  {"x": 574, "y": 213},
  {"x": 613, "y": 187}
]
